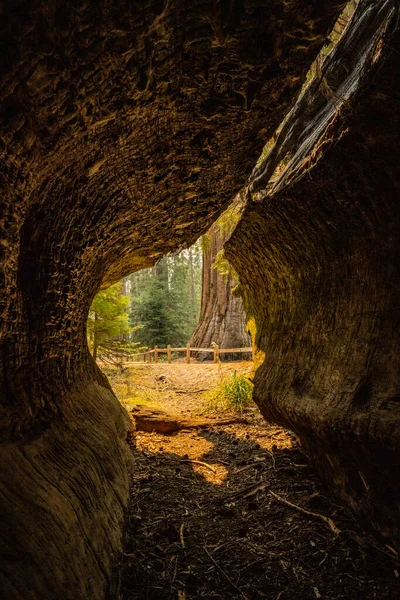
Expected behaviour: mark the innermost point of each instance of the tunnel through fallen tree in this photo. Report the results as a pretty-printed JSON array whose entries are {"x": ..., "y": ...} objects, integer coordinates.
[{"x": 125, "y": 131}]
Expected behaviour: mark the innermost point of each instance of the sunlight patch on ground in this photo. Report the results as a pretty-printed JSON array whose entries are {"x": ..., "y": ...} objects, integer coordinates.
[{"x": 189, "y": 448}]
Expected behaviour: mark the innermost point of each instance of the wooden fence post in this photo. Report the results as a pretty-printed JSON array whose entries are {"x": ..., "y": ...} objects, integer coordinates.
[
  {"x": 215, "y": 346},
  {"x": 188, "y": 353},
  {"x": 156, "y": 354},
  {"x": 169, "y": 353}
]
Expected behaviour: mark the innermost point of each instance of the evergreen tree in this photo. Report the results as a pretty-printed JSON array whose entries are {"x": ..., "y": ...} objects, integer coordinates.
[
  {"x": 154, "y": 314},
  {"x": 107, "y": 323},
  {"x": 165, "y": 299}
]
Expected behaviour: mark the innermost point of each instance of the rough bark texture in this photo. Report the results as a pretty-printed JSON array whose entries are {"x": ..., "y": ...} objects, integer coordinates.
[
  {"x": 125, "y": 129},
  {"x": 222, "y": 318},
  {"x": 320, "y": 277}
]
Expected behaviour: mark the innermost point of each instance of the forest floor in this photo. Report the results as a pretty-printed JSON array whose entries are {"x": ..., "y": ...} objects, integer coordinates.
[{"x": 235, "y": 511}]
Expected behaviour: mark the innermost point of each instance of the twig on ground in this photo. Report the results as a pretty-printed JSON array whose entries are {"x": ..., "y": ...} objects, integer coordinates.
[
  {"x": 261, "y": 486},
  {"x": 241, "y": 491},
  {"x": 198, "y": 462},
  {"x": 188, "y": 392},
  {"x": 309, "y": 513},
  {"x": 253, "y": 464},
  {"x": 272, "y": 456},
  {"x": 220, "y": 569},
  {"x": 254, "y": 487},
  {"x": 182, "y": 539},
  {"x": 175, "y": 569}
]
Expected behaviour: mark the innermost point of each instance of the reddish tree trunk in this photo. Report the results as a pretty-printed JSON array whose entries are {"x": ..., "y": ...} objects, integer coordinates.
[{"x": 222, "y": 318}]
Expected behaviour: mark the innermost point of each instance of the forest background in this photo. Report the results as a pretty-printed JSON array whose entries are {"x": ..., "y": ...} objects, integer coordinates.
[
  {"x": 185, "y": 297},
  {"x": 156, "y": 306}
]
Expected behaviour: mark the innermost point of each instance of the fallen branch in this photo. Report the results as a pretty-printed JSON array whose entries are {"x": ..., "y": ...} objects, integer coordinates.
[
  {"x": 149, "y": 419},
  {"x": 309, "y": 513},
  {"x": 220, "y": 569}
]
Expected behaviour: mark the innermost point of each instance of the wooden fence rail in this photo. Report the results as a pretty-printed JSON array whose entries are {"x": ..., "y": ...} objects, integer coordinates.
[{"x": 153, "y": 355}]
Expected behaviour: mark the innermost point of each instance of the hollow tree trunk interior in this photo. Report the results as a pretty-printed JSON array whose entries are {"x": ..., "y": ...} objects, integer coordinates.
[{"x": 125, "y": 130}]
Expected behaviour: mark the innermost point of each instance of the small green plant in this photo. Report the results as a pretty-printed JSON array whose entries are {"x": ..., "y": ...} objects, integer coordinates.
[{"x": 233, "y": 393}]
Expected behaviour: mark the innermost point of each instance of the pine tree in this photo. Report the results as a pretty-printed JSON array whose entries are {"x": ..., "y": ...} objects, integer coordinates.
[
  {"x": 165, "y": 299},
  {"x": 107, "y": 323}
]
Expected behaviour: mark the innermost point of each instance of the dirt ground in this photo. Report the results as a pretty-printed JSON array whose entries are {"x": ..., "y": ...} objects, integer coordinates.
[
  {"x": 235, "y": 511},
  {"x": 177, "y": 388}
]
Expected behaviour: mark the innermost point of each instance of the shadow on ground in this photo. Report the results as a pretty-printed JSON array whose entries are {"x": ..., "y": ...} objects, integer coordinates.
[{"x": 216, "y": 531}]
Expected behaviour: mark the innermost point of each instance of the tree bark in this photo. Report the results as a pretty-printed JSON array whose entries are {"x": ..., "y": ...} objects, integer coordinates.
[
  {"x": 222, "y": 318},
  {"x": 318, "y": 258},
  {"x": 126, "y": 128},
  {"x": 192, "y": 286}
]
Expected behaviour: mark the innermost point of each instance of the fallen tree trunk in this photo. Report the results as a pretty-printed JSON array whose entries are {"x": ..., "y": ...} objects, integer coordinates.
[
  {"x": 125, "y": 130},
  {"x": 148, "y": 419}
]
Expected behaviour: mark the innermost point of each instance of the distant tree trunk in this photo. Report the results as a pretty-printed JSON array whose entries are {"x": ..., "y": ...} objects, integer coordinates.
[
  {"x": 160, "y": 270},
  {"x": 192, "y": 286},
  {"x": 125, "y": 286},
  {"x": 222, "y": 318}
]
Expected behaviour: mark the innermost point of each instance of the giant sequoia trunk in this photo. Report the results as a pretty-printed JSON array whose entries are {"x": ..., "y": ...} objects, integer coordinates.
[
  {"x": 222, "y": 319},
  {"x": 125, "y": 129},
  {"x": 322, "y": 289}
]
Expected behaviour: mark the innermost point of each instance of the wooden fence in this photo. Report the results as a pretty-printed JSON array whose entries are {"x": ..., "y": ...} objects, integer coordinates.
[{"x": 152, "y": 355}]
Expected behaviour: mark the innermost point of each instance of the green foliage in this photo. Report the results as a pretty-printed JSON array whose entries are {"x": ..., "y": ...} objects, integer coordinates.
[
  {"x": 108, "y": 325},
  {"x": 153, "y": 310},
  {"x": 234, "y": 393},
  {"x": 157, "y": 306},
  {"x": 165, "y": 300},
  {"x": 109, "y": 314}
]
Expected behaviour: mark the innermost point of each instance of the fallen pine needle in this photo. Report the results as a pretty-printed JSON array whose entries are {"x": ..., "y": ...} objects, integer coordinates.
[
  {"x": 198, "y": 462},
  {"x": 315, "y": 515},
  {"x": 220, "y": 569}
]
